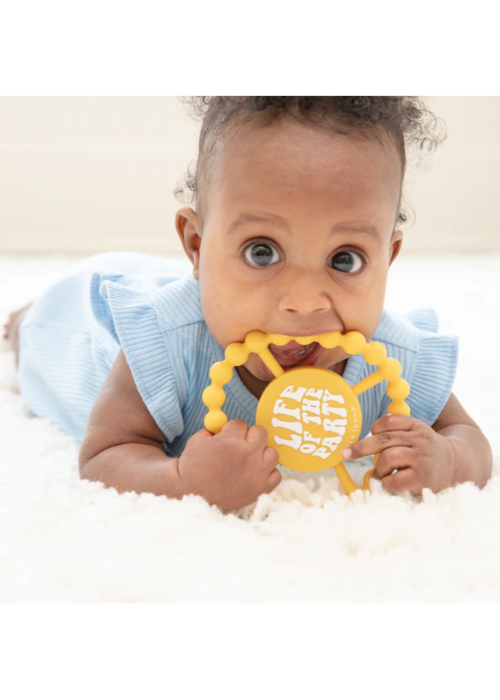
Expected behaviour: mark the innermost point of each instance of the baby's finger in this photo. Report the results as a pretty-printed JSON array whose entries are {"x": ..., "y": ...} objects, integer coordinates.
[
  {"x": 392, "y": 421},
  {"x": 402, "y": 480},
  {"x": 377, "y": 443},
  {"x": 257, "y": 436},
  {"x": 235, "y": 428},
  {"x": 393, "y": 458},
  {"x": 270, "y": 458},
  {"x": 274, "y": 480},
  {"x": 202, "y": 434}
]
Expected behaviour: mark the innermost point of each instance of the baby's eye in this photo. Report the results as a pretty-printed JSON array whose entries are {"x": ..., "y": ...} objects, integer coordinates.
[
  {"x": 346, "y": 261},
  {"x": 261, "y": 254}
]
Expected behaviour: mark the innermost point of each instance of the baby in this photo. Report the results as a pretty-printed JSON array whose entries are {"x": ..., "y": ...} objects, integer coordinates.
[{"x": 295, "y": 228}]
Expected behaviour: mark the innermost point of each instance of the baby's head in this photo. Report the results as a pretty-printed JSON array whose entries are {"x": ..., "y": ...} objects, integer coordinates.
[{"x": 297, "y": 211}]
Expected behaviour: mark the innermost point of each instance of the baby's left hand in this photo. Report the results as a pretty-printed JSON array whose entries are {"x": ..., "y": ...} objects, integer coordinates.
[{"x": 423, "y": 457}]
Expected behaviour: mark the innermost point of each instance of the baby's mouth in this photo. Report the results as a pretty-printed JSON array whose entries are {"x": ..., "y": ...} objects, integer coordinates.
[{"x": 292, "y": 353}]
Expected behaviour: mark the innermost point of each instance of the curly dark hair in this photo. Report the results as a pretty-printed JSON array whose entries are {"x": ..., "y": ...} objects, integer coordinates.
[{"x": 405, "y": 119}]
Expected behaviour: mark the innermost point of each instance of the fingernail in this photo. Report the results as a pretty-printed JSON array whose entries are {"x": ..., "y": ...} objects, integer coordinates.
[{"x": 346, "y": 454}]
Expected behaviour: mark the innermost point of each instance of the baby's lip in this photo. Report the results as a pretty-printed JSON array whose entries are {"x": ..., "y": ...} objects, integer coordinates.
[
  {"x": 291, "y": 345},
  {"x": 294, "y": 357},
  {"x": 292, "y": 353}
]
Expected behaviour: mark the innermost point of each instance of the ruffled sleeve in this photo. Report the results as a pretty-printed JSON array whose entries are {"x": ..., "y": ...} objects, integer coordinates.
[
  {"x": 125, "y": 307},
  {"x": 435, "y": 368},
  {"x": 424, "y": 319}
]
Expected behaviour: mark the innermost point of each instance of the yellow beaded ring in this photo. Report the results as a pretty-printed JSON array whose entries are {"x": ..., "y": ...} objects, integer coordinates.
[{"x": 311, "y": 413}]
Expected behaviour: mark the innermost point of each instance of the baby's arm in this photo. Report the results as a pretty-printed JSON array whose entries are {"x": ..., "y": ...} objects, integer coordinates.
[
  {"x": 123, "y": 445},
  {"x": 123, "y": 449},
  {"x": 472, "y": 451}
]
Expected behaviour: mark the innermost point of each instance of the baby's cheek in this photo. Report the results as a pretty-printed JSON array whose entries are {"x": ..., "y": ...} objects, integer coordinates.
[
  {"x": 218, "y": 322},
  {"x": 230, "y": 318}
]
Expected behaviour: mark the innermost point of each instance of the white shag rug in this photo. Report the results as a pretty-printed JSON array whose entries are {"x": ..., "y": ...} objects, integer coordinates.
[{"x": 64, "y": 540}]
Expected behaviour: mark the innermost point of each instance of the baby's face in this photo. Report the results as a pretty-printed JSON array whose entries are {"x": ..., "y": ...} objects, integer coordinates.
[{"x": 298, "y": 239}]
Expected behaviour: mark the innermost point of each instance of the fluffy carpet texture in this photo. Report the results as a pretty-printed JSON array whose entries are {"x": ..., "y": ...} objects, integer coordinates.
[{"x": 65, "y": 540}]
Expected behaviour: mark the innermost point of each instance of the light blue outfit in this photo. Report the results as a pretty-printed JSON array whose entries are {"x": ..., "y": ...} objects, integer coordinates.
[{"x": 73, "y": 332}]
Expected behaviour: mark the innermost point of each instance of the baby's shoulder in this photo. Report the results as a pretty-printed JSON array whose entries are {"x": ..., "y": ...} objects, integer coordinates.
[
  {"x": 158, "y": 322},
  {"x": 177, "y": 303},
  {"x": 171, "y": 301},
  {"x": 428, "y": 361}
]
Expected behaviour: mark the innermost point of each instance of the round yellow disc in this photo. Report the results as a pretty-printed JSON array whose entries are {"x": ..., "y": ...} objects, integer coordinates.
[{"x": 310, "y": 414}]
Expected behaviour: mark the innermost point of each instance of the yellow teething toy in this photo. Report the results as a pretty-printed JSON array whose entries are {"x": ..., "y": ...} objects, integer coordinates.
[{"x": 311, "y": 413}]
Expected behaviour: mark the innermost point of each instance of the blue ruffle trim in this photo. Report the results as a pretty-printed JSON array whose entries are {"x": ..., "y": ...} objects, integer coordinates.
[
  {"x": 434, "y": 374},
  {"x": 424, "y": 319}
]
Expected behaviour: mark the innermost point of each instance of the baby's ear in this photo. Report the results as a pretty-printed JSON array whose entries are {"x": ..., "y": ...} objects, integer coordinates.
[
  {"x": 189, "y": 231},
  {"x": 396, "y": 245}
]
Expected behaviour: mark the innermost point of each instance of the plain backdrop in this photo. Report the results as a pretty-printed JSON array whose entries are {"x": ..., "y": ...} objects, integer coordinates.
[{"x": 85, "y": 174}]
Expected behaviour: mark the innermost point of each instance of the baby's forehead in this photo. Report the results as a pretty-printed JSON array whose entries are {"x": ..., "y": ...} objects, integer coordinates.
[{"x": 299, "y": 171}]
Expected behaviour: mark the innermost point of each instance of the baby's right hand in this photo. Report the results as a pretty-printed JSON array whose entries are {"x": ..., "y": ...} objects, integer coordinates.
[{"x": 231, "y": 469}]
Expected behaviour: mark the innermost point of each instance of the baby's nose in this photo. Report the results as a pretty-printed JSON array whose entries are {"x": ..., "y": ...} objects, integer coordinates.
[{"x": 305, "y": 294}]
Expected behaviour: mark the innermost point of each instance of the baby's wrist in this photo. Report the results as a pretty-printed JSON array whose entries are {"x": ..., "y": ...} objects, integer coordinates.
[{"x": 174, "y": 485}]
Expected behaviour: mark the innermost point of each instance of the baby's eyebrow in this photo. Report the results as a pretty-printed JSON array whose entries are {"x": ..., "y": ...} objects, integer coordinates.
[
  {"x": 248, "y": 218},
  {"x": 280, "y": 222},
  {"x": 355, "y": 227}
]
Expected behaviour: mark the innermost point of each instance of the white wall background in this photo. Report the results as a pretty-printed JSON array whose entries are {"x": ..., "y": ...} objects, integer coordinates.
[{"x": 86, "y": 174}]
